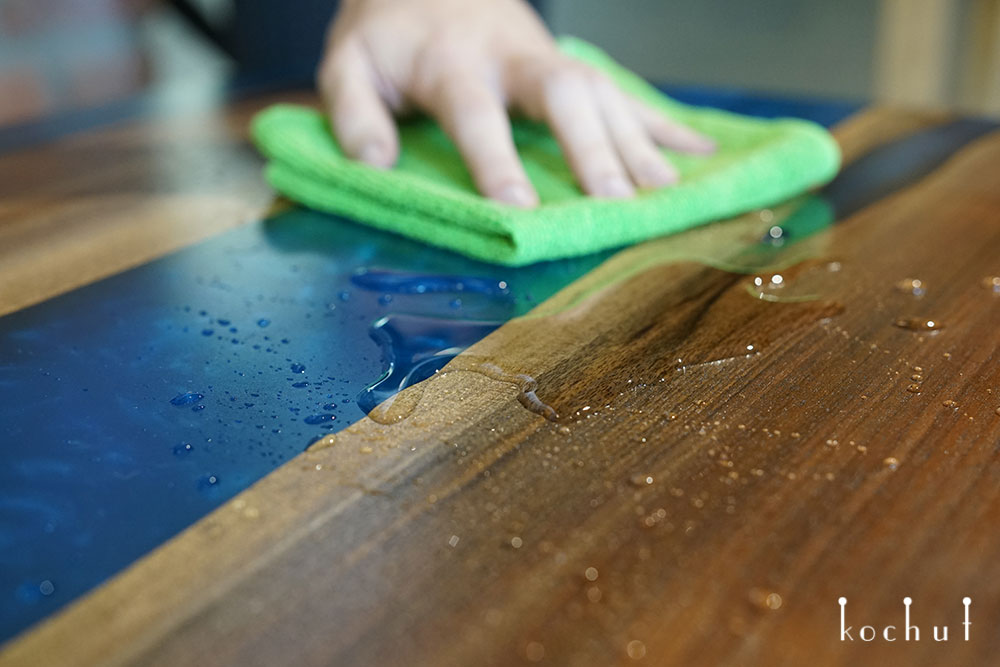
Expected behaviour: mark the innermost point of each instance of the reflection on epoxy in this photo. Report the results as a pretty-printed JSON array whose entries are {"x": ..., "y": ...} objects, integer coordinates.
[
  {"x": 400, "y": 282},
  {"x": 416, "y": 347}
]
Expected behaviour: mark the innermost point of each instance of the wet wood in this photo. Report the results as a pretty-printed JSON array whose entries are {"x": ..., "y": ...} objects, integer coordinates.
[{"x": 723, "y": 468}]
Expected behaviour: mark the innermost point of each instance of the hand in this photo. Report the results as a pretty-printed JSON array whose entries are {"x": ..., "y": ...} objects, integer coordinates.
[{"x": 466, "y": 62}]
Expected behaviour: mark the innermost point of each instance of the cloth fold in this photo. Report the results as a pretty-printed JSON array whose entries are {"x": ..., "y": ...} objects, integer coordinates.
[{"x": 429, "y": 195}]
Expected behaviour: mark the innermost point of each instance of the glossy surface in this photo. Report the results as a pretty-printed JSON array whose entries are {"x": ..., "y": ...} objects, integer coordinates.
[
  {"x": 136, "y": 405},
  {"x": 694, "y": 502}
]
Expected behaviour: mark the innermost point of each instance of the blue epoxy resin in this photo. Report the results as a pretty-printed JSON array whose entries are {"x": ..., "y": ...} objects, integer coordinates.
[{"x": 178, "y": 384}]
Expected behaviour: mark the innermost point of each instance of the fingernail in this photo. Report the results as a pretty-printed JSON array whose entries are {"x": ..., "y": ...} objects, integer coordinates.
[
  {"x": 373, "y": 154},
  {"x": 615, "y": 187},
  {"x": 517, "y": 194}
]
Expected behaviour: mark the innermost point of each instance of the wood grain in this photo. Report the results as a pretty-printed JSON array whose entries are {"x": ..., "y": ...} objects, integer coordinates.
[
  {"x": 695, "y": 502},
  {"x": 88, "y": 206}
]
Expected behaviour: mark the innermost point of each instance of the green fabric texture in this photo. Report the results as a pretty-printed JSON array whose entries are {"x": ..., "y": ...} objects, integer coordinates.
[{"x": 429, "y": 195}]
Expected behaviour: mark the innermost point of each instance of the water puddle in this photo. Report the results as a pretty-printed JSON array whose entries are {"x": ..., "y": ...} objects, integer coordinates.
[
  {"x": 414, "y": 348},
  {"x": 778, "y": 246}
]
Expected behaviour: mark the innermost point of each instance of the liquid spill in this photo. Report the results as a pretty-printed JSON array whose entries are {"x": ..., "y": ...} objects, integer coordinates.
[
  {"x": 399, "y": 406},
  {"x": 918, "y": 324},
  {"x": 526, "y": 384},
  {"x": 413, "y": 349}
]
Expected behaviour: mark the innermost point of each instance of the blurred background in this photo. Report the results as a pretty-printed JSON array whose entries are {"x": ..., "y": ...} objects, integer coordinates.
[{"x": 61, "y": 57}]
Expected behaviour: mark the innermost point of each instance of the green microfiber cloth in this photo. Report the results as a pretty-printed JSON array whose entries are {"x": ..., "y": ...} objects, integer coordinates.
[{"x": 429, "y": 195}]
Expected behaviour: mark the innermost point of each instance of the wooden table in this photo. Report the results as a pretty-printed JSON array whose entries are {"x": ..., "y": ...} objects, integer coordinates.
[{"x": 729, "y": 459}]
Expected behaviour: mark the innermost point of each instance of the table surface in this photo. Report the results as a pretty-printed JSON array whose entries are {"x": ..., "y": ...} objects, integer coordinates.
[{"x": 733, "y": 451}]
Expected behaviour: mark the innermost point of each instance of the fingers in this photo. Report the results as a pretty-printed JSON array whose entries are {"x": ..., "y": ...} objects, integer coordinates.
[
  {"x": 644, "y": 162},
  {"x": 609, "y": 139},
  {"x": 669, "y": 133},
  {"x": 475, "y": 118},
  {"x": 571, "y": 109},
  {"x": 361, "y": 121}
]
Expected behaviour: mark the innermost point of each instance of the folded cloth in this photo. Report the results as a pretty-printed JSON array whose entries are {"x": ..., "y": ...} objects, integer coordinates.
[{"x": 429, "y": 195}]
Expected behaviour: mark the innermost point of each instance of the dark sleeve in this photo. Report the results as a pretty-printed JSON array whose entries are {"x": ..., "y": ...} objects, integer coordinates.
[{"x": 272, "y": 43}]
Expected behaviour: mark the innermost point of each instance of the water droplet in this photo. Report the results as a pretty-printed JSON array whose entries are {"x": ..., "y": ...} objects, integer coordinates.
[
  {"x": 516, "y": 542},
  {"x": 992, "y": 283},
  {"x": 324, "y": 442},
  {"x": 313, "y": 420},
  {"x": 46, "y": 588},
  {"x": 950, "y": 404},
  {"x": 913, "y": 286},
  {"x": 198, "y": 408},
  {"x": 183, "y": 448},
  {"x": 917, "y": 377},
  {"x": 564, "y": 430},
  {"x": 298, "y": 368},
  {"x": 918, "y": 324},
  {"x": 187, "y": 398},
  {"x": 913, "y": 388},
  {"x": 208, "y": 481},
  {"x": 891, "y": 462},
  {"x": 636, "y": 650},
  {"x": 455, "y": 303},
  {"x": 534, "y": 651},
  {"x": 591, "y": 574},
  {"x": 207, "y": 332},
  {"x": 998, "y": 412},
  {"x": 263, "y": 323},
  {"x": 640, "y": 480},
  {"x": 300, "y": 385}
]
